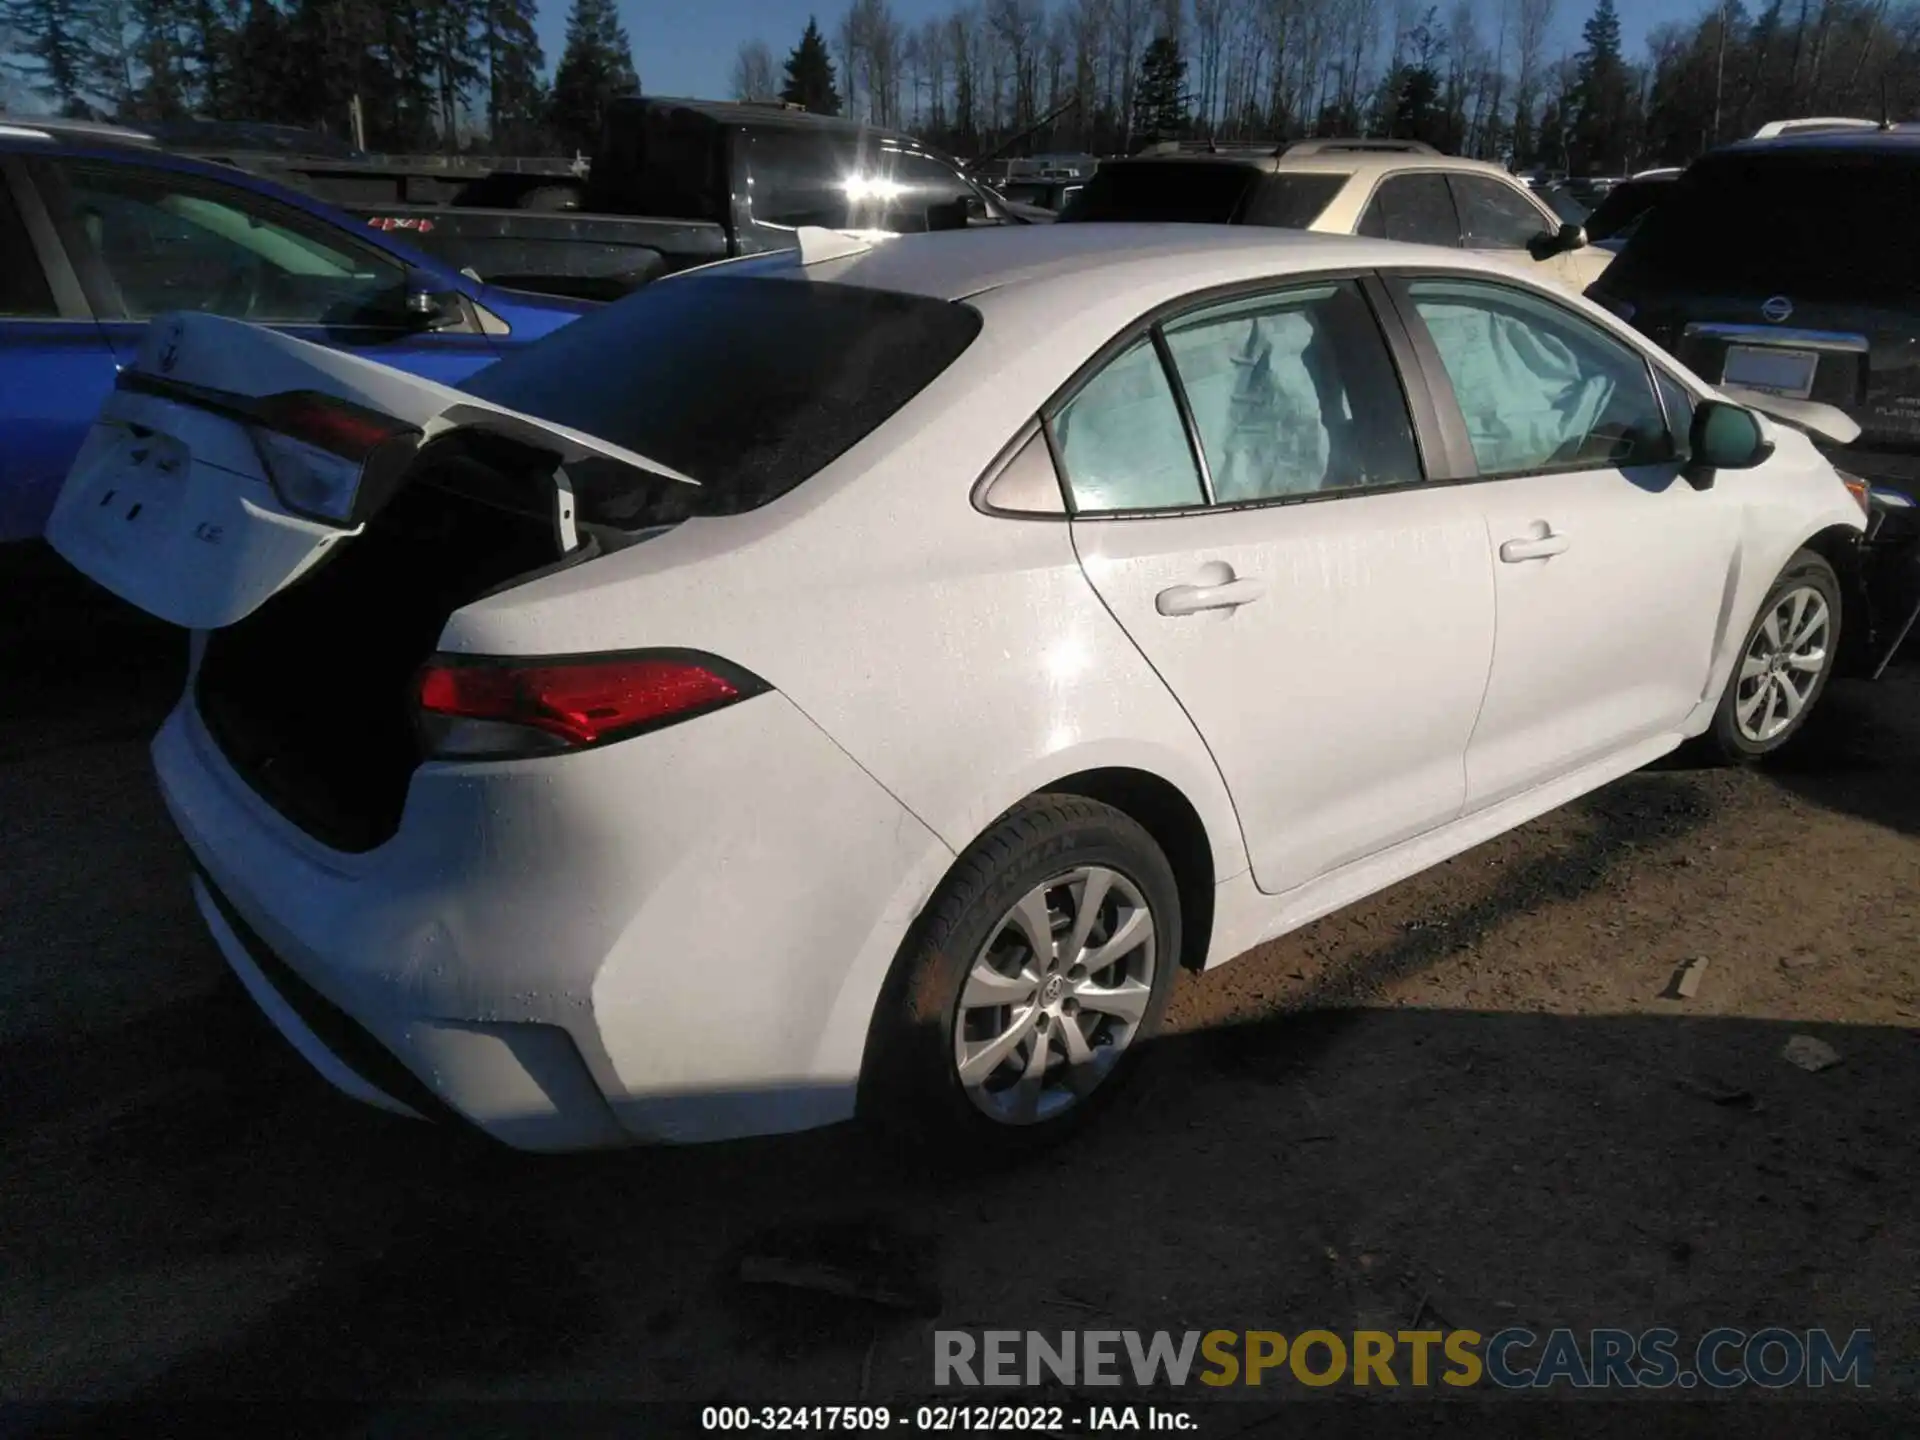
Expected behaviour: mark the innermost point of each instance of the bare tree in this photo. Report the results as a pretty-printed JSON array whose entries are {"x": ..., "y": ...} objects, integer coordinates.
[
  {"x": 1016, "y": 25},
  {"x": 755, "y": 76},
  {"x": 1532, "y": 20}
]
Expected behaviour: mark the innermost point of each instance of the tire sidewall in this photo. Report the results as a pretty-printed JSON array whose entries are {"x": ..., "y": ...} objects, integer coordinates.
[
  {"x": 911, "y": 1084},
  {"x": 1805, "y": 568}
]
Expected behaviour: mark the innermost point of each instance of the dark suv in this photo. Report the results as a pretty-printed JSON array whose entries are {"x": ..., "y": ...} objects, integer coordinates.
[{"x": 1786, "y": 265}]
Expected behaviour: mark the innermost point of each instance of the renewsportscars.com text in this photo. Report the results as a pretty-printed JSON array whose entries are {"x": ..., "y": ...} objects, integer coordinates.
[{"x": 1514, "y": 1358}]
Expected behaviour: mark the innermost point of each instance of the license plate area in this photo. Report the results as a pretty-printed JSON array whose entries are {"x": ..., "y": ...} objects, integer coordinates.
[{"x": 1774, "y": 370}]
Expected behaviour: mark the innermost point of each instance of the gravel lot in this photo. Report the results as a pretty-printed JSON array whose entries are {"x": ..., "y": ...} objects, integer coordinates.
[{"x": 1470, "y": 1096}]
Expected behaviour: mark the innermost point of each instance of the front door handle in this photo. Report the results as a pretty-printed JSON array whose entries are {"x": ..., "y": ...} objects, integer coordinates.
[
  {"x": 1191, "y": 599},
  {"x": 1514, "y": 551}
]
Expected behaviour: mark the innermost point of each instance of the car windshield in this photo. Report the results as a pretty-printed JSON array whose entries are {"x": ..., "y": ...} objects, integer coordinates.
[
  {"x": 1824, "y": 223},
  {"x": 1197, "y": 192},
  {"x": 748, "y": 384}
]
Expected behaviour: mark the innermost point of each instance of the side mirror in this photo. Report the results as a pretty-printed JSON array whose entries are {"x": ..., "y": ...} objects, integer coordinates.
[
  {"x": 1569, "y": 236},
  {"x": 425, "y": 306},
  {"x": 1724, "y": 437}
]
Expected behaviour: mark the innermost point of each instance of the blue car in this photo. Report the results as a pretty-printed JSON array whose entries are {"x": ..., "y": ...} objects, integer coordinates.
[{"x": 100, "y": 230}]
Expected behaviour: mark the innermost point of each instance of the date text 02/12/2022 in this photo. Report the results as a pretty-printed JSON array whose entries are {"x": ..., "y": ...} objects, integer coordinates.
[{"x": 945, "y": 1418}]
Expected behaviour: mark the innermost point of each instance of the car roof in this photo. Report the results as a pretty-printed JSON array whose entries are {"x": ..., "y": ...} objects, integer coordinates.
[
  {"x": 1345, "y": 157},
  {"x": 1158, "y": 261},
  {"x": 1898, "y": 139},
  {"x": 738, "y": 112}
]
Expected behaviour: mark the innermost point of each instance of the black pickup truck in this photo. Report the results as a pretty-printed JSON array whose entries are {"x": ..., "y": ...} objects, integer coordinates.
[{"x": 673, "y": 183}]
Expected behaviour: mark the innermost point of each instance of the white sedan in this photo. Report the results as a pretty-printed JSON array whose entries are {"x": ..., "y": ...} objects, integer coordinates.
[{"x": 856, "y": 680}]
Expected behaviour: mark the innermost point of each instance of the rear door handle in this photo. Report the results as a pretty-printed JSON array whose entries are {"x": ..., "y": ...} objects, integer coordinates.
[
  {"x": 1191, "y": 599},
  {"x": 1514, "y": 551}
]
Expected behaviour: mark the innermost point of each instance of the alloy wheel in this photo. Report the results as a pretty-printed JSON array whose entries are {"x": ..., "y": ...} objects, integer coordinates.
[
  {"x": 1055, "y": 995},
  {"x": 1783, "y": 664}
]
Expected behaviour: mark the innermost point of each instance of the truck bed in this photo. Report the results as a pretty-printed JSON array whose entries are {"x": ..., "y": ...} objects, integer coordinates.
[{"x": 587, "y": 256}]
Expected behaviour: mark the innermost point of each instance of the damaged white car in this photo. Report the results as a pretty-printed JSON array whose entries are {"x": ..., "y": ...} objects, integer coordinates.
[{"x": 856, "y": 680}]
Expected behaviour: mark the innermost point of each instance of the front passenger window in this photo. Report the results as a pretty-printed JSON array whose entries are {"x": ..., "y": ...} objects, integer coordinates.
[
  {"x": 1541, "y": 388},
  {"x": 1121, "y": 441}
]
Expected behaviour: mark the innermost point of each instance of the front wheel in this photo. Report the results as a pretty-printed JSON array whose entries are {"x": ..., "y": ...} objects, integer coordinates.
[
  {"x": 1022, "y": 999},
  {"x": 1784, "y": 665}
]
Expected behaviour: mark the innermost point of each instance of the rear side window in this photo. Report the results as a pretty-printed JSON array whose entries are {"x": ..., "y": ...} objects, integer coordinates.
[
  {"x": 1293, "y": 202},
  {"x": 1294, "y": 394},
  {"x": 671, "y": 165},
  {"x": 1493, "y": 215},
  {"x": 24, "y": 292},
  {"x": 801, "y": 179},
  {"x": 1196, "y": 192},
  {"x": 1121, "y": 440},
  {"x": 1414, "y": 209},
  {"x": 749, "y": 385},
  {"x": 1828, "y": 224}
]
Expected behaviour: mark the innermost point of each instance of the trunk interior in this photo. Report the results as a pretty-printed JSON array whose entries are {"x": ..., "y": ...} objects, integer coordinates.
[{"x": 310, "y": 697}]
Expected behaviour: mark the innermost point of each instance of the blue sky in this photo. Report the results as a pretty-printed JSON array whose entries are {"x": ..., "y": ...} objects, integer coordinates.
[{"x": 686, "y": 47}]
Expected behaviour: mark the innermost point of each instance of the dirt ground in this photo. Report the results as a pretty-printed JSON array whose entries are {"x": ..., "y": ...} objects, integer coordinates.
[{"x": 1469, "y": 1099}]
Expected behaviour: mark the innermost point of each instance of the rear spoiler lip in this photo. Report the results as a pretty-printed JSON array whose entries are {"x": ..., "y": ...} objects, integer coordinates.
[{"x": 1828, "y": 421}]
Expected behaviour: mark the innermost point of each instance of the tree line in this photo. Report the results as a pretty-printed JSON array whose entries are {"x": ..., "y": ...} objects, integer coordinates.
[
  {"x": 427, "y": 74},
  {"x": 1480, "y": 77}
]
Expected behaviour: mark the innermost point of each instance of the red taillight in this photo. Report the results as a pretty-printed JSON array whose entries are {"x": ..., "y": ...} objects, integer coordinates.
[
  {"x": 552, "y": 705},
  {"x": 337, "y": 426}
]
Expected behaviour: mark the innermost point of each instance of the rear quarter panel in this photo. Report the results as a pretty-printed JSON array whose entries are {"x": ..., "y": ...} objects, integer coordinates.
[{"x": 961, "y": 659}]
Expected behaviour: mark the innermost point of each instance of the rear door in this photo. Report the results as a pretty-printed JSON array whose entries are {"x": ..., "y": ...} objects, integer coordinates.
[
  {"x": 147, "y": 240},
  {"x": 1249, "y": 502},
  {"x": 55, "y": 365}
]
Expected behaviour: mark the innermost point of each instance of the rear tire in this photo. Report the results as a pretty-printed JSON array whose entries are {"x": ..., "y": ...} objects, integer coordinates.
[
  {"x": 1784, "y": 665},
  {"x": 982, "y": 1046}
]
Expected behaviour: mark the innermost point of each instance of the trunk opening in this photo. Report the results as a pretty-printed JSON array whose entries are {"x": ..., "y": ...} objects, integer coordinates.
[{"x": 310, "y": 697}]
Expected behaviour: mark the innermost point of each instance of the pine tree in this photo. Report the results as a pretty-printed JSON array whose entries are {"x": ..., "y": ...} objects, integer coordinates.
[
  {"x": 55, "y": 52},
  {"x": 595, "y": 68},
  {"x": 264, "y": 63},
  {"x": 515, "y": 96},
  {"x": 810, "y": 77},
  {"x": 1597, "y": 116},
  {"x": 1160, "y": 100}
]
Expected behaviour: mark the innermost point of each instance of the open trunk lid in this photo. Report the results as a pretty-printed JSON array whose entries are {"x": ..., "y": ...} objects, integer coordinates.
[{"x": 230, "y": 458}]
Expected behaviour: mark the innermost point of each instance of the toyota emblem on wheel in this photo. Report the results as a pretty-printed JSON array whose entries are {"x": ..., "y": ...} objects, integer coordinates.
[{"x": 1777, "y": 309}]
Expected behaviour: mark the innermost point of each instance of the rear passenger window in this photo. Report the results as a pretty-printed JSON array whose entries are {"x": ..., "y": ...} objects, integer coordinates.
[
  {"x": 24, "y": 292},
  {"x": 1294, "y": 394},
  {"x": 1121, "y": 441},
  {"x": 1414, "y": 209}
]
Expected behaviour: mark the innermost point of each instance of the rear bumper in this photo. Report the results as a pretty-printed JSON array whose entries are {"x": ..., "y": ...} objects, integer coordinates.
[{"x": 645, "y": 942}]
